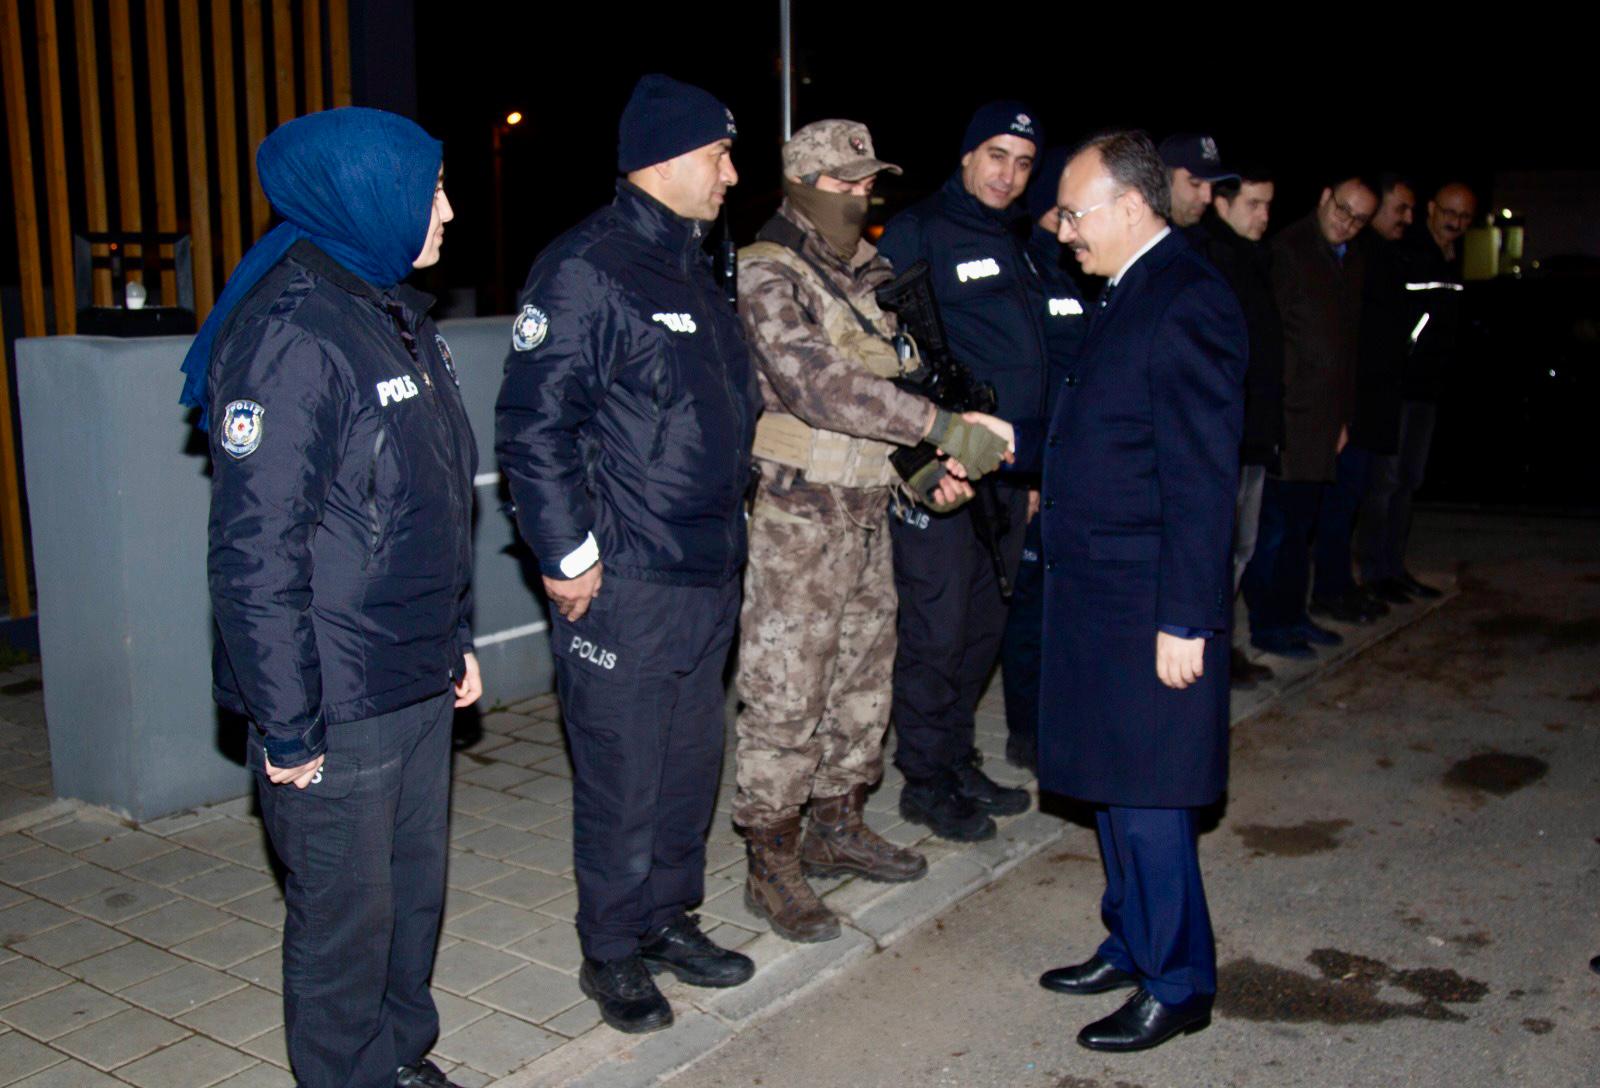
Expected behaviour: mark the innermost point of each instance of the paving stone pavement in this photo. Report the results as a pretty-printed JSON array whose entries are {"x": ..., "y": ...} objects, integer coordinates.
[{"x": 149, "y": 954}]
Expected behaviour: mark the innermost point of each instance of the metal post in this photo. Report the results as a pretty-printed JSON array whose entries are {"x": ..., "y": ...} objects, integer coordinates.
[{"x": 786, "y": 63}]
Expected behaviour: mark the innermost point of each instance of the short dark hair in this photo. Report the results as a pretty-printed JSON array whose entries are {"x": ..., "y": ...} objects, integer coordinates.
[
  {"x": 1249, "y": 174},
  {"x": 1133, "y": 162},
  {"x": 1385, "y": 182}
]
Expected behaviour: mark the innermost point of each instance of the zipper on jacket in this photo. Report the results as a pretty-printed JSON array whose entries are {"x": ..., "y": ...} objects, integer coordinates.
[{"x": 374, "y": 522}]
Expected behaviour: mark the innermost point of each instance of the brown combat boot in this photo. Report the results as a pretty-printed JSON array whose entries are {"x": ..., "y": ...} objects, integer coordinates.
[
  {"x": 775, "y": 889},
  {"x": 839, "y": 843}
]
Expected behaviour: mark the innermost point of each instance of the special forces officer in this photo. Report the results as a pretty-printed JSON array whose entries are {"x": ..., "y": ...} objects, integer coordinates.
[
  {"x": 952, "y": 614},
  {"x": 624, "y": 427},
  {"x": 816, "y": 650}
]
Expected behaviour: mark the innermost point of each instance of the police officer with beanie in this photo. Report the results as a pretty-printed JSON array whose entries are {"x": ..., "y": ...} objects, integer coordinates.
[
  {"x": 817, "y": 634},
  {"x": 952, "y": 614},
  {"x": 624, "y": 428}
]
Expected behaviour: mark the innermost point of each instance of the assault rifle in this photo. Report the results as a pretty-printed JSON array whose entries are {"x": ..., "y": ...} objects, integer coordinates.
[{"x": 950, "y": 384}]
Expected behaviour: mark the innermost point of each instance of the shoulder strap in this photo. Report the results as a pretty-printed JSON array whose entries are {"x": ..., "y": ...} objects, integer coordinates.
[{"x": 780, "y": 231}]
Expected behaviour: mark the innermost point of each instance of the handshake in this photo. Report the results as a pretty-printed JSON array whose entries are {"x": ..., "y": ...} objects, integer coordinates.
[{"x": 957, "y": 449}]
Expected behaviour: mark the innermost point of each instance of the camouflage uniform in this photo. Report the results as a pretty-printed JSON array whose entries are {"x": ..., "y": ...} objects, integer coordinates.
[{"x": 817, "y": 641}]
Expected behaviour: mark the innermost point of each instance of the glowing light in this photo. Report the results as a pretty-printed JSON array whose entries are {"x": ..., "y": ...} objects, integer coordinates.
[
  {"x": 1505, "y": 213},
  {"x": 515, "y": 118}
]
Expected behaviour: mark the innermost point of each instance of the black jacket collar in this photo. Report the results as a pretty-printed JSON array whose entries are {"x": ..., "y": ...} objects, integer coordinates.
[
  {"x": 307, "y": 254},
  {"x": 658, "y": 224},
  {"x": 968, "y": 210}
]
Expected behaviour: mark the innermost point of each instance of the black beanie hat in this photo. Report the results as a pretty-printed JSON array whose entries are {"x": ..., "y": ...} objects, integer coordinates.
[
  {"x": 1006, "y": 117},
  {"x": 664, "y": 118}
]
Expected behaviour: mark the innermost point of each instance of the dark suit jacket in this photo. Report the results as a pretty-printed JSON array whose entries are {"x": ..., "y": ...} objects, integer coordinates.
[
  {"x": 1140, "y": 464},
  {"x": 1319, "y": 300}
]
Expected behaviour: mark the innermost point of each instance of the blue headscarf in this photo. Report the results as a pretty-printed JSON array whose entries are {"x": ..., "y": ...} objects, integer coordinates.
[{"x": 357, "y": 182}]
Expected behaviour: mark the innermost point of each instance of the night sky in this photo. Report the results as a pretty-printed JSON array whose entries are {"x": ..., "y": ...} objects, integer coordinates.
[{"x": 1420, "y": 93}]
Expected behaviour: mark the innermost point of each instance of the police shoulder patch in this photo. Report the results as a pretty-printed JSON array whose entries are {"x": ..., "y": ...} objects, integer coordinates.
[
  {"x": 241, "y": 428},
  {"x": 446, "y": 358},
  {"x": 530, "y": 328}
]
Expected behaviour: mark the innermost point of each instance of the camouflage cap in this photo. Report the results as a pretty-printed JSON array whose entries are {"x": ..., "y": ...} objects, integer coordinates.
[{"x": 840, "y": 149}]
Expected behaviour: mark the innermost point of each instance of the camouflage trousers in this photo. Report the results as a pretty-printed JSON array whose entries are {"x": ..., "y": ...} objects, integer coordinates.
[{"x": 816, "y": 661}]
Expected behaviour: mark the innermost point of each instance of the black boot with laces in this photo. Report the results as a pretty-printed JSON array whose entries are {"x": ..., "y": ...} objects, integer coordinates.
[{"x": 626, "y": 994}]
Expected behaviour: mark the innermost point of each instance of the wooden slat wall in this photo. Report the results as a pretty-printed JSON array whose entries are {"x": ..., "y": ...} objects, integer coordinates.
[
  {"x": 194, "y": 132},
  {"x": 339, "y": 50},
  {"x": 94, "y": 166},
  {"x": 255, "y": 111},
  {"x": 13, "y": 75},
  {"x": 161, "y": 138},
  {"x": 311, "y": 31},
  {"x": 283, "y": 60},
  {"x": 127, "y": 135},
  {"x": 55, "y": 170},
  {"x": 145, "y": 164},
  {"x": 227, "y": 134}
]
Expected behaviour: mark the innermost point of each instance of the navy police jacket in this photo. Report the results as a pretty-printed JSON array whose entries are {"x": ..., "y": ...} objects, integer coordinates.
[
  {"x": 341, "y": 505},
  {"x": 629, "y": 404},
  {"x": 990, "y": 295}
]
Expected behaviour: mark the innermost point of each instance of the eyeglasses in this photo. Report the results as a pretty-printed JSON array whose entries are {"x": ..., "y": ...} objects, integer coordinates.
[
  {"x": 1342, "y": 211},
  {"x": 1075, "y": 217}
]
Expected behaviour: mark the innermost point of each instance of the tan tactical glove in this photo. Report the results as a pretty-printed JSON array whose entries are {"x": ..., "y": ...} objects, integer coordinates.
[{"x": 978, "y": 448}]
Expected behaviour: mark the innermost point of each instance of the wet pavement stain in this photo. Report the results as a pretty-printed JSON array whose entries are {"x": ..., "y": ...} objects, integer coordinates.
[
  {"x": 1471, "y": 942},
  {"x": 1499, "y": 773},
  {"x": 1590, "y": 696},
  {"x": 1293, "y": 841},
  {"x": 1346, "y": 992},
  {"x": 1539, "y": 1027}
]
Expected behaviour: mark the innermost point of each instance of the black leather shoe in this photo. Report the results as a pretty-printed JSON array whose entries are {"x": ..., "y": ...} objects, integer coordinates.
[
  {"x": 1022, "y": 750},
  {"x": 1283, "y": 644},
  {"x": 1371, "y": 603},
  {"x": 987, "y": 794},
  {"x": 1345, "y": 608},
  {"x": 1093, "y": 976},
  {"x": 682, "y": 948},
  {"x": 626, "y": 994},
  {"x": 1317, "y": 635},
  {"x": 1245, "y": 674},
  {"x": 1594, "y": 965},
  {"x": 1419, "y": 589},
  {"x": 423, "y": 1074},
  {"x": 1390, "y": 591},
  {"x": 1144, "y": 1022},
  {"x": 939, "y": 805}
]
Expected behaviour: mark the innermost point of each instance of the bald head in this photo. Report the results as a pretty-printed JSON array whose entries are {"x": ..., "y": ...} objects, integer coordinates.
[{"x": 1450, "y": 213}]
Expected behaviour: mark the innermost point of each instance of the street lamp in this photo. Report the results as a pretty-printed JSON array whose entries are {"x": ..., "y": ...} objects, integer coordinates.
[{"x": 501, "y": 129}]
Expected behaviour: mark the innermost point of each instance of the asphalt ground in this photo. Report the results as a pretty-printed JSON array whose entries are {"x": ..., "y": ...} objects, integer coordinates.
[{"x": 1405, "y": 880}]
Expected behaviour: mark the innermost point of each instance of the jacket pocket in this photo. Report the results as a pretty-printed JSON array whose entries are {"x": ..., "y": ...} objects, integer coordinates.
[{"x": 1125, "y": 547}]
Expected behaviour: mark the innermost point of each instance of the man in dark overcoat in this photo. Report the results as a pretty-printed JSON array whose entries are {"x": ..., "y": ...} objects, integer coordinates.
[{"x": 1140, "y": 462}]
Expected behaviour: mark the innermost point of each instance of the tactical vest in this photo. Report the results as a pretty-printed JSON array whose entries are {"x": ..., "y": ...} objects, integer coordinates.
[{"x": 828, "y": 457}]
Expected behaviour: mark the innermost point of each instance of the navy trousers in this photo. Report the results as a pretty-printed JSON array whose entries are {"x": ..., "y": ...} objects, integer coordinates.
[
  {"x": 364, "y": 846},
  {"x": 640, "y": 682},
  {"x": 1019, "y": 649},
  {"x": 1385, "y": 527},
  {"x": 1279, "y": 573},
  {"x": 1336, "y": 522},
  {"x": 950, "y": 625},
  {"x": 1155, "y": 904}
]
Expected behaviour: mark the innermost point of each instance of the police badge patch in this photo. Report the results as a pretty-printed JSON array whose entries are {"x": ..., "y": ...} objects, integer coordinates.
[
  {"x": 448, "y": 359},
  {"x": 529, "y": 330},
  {"x": 241, "y": 428}
]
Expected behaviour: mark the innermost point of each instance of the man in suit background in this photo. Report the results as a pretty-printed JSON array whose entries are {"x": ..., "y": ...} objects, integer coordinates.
[
  {"x": 1140, "y": 463},
  {"x": 1317, "y": 280}
]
